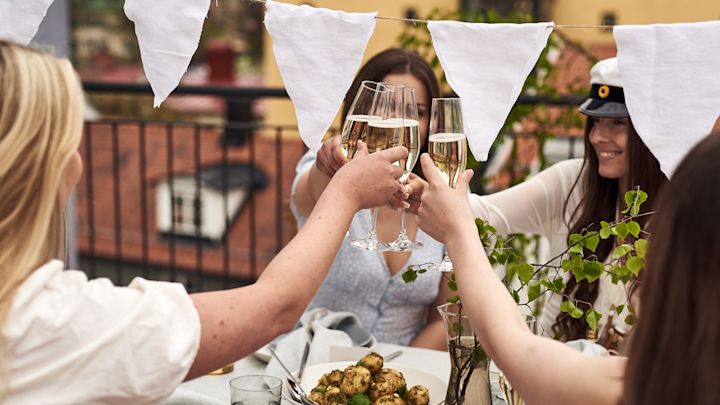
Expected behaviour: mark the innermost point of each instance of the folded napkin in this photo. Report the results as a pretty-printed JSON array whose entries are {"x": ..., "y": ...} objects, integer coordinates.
[
  {"x": 318, "y": 52},
  {"x": 671, "y": 79},
  {"x": 322, "y": 324},
  {"x": 487, "y": 65},
  {"x": 588, "y": 348},
  {"x": 20, "y": 19},
  {"x": 168, "y": 33},
  {"x": 186, "y": 397}
]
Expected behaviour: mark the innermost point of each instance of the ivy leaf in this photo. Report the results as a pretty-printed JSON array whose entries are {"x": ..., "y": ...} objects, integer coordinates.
[
  {"x": 641, "y": 247},
  {"x": 622, "y": 230},
  {"x": 619, "y": 309},
  {"x": 635, "y": 264},
  {"x": 634, "y": 228},
  {"x": 533, "y": 290},
  {"x": 576, "y": 313},
  {"x": 591, "y": 241},
  {"x": 409, "y": 275},
  {"x": 525, "y": 272},
  {"x": 641, "y": 197},
  {"x": 592, "y": 270},
  {"x": 630, "y": 198},
  {"x": 621, "y": 250},
  {"x": 421, "y": 271},
  {"x": 565, "y": 306},
  {"x": 605, "y": 230},
  {"x": 547, "y": 284},
  {"x": 454, "y": 299},
  {"x": 452, "y": 285},
  {"x": 516, "y": 297},
  {"x": 566, "y": 265},
  {"x": 559, "y": 284},
  {"x": 592, "y": 317}
]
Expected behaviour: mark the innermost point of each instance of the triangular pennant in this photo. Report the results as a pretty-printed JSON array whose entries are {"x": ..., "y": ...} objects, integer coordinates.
[
  {"x": 168, "y": 33},
  {"x": 671, "y": 78},
  {"x": 318, "y": 52},
  {"x": 20, "y": 19},
  {"x": 486, "y": 65}
]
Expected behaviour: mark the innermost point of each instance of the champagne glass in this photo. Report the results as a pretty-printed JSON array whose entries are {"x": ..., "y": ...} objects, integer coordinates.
[
  {"x": 448, "y": 149},
  {"x": 356, "y": 121},
  {"x": 410, "y": 139},
  {"x": 383, "y": 132}
]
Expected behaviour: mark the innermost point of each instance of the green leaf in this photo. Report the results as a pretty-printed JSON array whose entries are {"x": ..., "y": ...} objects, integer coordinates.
[
  {"x": 630, "y": 197},
  {"x": 516, "y": 297},
  {"x": 566, "y": 265},
  {"x": 565, "y": 306},
  {"x": 605, "y": 230},
  {"x": 452, "y": 285},
  {"x": 479, "y": 355},
  {"x": 635, "y": 264},
  {"x": 525, "y": 272},
  {"x": 630, "y": 319},
  {"x": 621, "y": 250},
  {"x": 592, "y": 317},
  {"x": 592, "y": 270},
  {"x": 511, "y": 271},
  {"x": 559, "y": 284},
  {"x": 533, "y": 290},
  {"x": 454, "y": 299},
  {"x": 622, "y": 230},
  {"x": 575, "y": 244},
  {"x": 641, "y": 247},
  {"x": 591, "y": 241},
  {"x": 421, "y": 271},
  {"x": 619, "y": 309},
  {"x": 634, "y": 228},
  {"x": 576, "y": 313},
  {"x": 409, "y": 275}
]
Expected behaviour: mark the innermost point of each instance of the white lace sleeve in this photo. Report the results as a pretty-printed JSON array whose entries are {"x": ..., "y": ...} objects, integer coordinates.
[{"x": 535, "y": 206}]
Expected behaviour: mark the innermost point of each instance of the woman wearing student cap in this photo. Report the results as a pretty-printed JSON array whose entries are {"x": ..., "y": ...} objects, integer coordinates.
[{"x": 577, "y": 194}]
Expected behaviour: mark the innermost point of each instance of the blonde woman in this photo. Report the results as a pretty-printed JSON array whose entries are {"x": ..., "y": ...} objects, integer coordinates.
[{"x": 70, "y": 340}]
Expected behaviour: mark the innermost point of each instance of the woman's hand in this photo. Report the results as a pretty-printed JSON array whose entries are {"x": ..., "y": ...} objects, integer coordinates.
[
  {"x": 414, "y": 188},
  {"x": 371, "y": 180},
  {"x": 444, "y": 212},
  {"x": 330, "y": 157}
]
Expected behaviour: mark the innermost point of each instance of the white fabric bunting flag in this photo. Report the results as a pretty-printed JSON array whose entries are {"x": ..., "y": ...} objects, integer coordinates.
[
  {"x": 671, "y": 79},
  {"x": 486, "y": 65},
  {"x": 168, "y": 33},
  {"x": 20, "y": 19},
  {"x": 318, "y": 52}
]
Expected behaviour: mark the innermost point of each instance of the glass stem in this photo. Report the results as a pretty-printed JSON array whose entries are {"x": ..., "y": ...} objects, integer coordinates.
[
  {"x": 403, "y": 231},
  {"x": 373, "y": 233}
]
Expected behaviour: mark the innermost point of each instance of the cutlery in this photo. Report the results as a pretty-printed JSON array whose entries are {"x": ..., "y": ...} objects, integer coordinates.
[
  {"x": 393, "y": 356},
  {"x": 303, "y": 362},
  {"x": 296, "y": 390}
]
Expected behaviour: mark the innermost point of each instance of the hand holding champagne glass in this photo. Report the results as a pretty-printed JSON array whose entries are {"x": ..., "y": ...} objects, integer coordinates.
[{"x": 447, "y": 149}]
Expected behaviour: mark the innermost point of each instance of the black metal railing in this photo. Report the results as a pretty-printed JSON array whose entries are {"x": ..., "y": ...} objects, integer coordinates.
[{"x": 132, "y": 217}]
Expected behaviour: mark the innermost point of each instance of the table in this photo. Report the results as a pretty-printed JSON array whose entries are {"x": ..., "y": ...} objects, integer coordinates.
[{"x": 433, "y": 361}]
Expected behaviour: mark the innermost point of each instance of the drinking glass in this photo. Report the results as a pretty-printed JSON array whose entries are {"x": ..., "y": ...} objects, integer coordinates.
[
  {"x": 383, "y": 132},
  {"x": 410, "y": 139},
  {"x": 356, "y": 122},
  {"x": 255, "y": 390},
  {"x": 448, "y": 149}
]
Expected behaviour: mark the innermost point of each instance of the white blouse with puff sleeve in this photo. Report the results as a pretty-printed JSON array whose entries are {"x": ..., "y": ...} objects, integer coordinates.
[
  {"x": 74, "y": 341},
  {"x": 537, "y": 206}
]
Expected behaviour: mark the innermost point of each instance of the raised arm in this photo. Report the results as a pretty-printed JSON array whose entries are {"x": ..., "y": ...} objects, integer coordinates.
[
  {"x": 543, "y": 371},
  {"x": 312, "y": 181},
  {"x": 237, "y": 322}
]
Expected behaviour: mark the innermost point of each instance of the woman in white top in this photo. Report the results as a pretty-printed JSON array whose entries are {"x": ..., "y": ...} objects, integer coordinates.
[
  {"x": 672, "y": 356},
  {"x": 577, "y": 194},
  {"x": 67, "y": 340}
]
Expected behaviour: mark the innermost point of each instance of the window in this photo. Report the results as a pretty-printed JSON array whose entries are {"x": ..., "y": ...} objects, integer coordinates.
[{"x": 186, "y": 212}]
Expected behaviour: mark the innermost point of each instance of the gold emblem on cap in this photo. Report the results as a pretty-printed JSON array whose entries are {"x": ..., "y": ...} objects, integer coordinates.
[{"x": 604, "y": 91}]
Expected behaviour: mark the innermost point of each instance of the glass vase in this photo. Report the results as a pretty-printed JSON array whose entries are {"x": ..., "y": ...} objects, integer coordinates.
[{"x": 469, "y": 382}]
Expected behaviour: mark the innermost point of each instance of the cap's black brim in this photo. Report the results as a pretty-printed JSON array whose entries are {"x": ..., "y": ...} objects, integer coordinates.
[{"x": 604, "y": 109}]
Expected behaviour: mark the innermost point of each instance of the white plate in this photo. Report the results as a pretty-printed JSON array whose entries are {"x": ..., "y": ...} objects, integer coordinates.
[{"x": 437, "y": 388}]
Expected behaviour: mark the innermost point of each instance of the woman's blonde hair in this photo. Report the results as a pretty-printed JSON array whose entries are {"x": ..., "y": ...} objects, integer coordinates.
[{"x": 40, "y": 129}]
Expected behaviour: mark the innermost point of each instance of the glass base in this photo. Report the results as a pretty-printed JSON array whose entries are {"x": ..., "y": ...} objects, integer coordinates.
[
  {"x": 444, "y": 266},
  {"x": 370, "y": 244},
  {"x": 404, "y": 245}
]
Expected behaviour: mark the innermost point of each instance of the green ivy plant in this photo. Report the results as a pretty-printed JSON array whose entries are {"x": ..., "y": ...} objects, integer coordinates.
[{"x": 625, "y": 263}]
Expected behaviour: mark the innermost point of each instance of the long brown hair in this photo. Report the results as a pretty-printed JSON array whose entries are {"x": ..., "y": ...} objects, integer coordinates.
[
  {"x": 395, "y": 61},
  {"x": 675, "y": 347},
  {"x": 600, "y": 203}
]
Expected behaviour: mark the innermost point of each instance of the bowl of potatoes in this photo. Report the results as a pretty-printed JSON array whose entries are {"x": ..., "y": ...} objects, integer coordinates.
[{"x": 371, "y": 382}]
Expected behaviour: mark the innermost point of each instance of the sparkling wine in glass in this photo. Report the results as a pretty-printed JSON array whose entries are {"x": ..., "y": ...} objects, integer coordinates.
[
  {"x": 410, "y": 139},
  {"x": 447, "y": 148},
  {"x": 384, "y": 131},
  {"x": 359, "y": 116}
]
